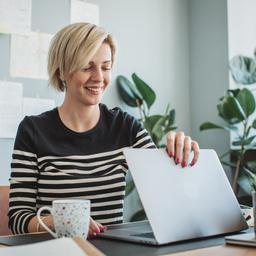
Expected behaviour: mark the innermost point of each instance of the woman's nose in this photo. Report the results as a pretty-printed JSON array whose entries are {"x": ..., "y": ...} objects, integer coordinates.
[{"x": 97, "y": 75}]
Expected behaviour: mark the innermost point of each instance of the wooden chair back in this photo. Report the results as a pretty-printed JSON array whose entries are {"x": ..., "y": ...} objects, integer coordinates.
[{"x": 4, "y": 208}]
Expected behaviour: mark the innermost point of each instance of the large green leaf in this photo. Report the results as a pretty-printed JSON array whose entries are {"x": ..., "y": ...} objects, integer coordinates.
[
  {"x": 140, "y": 215},
  {"x": 129, "y": 187},
  {"x": 210, "y": 125},
  {"x": 247, "y": 101},
  {"x": 254, "y": 124},
  {"x": 127, "y": 92},
  {"x": 150, "y": 121},
  {"x": 244, "y": 142},
  {"x": 243, "y": 69},
  {"x": 172, "y": 115},
  {"x": 251, "y": 165},
  {"x": 230, "y": 110},
  {"x": 145, "y": 90},
  {"x": 159, "y": 128},
  {"x": 245, "y": 183}
]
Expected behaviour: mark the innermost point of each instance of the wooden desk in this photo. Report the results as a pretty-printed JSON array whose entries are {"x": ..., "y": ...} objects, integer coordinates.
[
  {"x": 209, "y": 246},
  {"x": 224, "y": 250}
]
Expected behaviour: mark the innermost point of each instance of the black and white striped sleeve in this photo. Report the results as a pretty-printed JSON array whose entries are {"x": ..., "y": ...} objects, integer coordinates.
[
  {"x": 142, "y": 138},
  {"x": 23, "y": 181}
]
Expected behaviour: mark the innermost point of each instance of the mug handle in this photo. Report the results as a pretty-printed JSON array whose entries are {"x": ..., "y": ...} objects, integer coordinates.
[{"x": 38, "y": 215}]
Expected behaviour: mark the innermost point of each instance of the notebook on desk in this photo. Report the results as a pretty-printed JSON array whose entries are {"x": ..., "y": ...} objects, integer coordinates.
[
  {"x": 247, "y": 239},
  {"x": 180, "y": 203}
]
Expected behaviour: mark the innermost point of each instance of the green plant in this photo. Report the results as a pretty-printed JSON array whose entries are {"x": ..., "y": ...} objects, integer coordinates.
[
  {"x": 138, "y": 94},
  {"x": 236, "y": 108}
]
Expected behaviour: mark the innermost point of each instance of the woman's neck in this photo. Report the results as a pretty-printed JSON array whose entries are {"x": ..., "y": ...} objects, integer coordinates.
[{"x": 79, "y": 119}]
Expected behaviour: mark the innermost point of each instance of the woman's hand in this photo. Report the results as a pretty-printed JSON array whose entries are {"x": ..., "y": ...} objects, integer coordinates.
[
  {"x": 95, "y": 228},
  {"x": 179, "y": 147}
]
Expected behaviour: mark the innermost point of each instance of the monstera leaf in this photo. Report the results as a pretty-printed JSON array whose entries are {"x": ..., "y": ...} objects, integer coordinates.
[{"x": 243, "y": 69}]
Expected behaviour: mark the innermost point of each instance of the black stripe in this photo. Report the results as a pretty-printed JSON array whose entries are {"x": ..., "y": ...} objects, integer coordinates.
[
  {"x": 106, "y": 207},
  {"x": 107, "y": 216},
  {"x": 81, "y": 184},
  {"x": 87, "y": 161},
  {"x": 81, "y": 193}
]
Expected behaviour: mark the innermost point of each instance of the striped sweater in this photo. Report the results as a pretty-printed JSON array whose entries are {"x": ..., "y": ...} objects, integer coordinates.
[{"x": 52, "y": 162}]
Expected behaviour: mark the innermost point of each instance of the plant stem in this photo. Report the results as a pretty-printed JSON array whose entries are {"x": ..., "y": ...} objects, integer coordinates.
[
  {"x": 141, "y": 112},
  {"x": 240, "y": 159}
]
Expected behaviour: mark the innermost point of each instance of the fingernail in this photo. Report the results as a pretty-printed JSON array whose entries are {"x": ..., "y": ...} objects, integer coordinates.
[
  {"x": 170, "y": 154},
  {"x": 177, "y": 161},
  {"x": 192, "y": 163},
  {"x": 184, "y": 164}
]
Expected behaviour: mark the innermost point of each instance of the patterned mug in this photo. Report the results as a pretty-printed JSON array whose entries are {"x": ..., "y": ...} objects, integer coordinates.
[{"x": 71, "y": 218}]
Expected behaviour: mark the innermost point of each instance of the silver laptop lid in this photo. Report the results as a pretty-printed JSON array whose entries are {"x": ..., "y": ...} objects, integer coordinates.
[{"x": 184, "y": 203}]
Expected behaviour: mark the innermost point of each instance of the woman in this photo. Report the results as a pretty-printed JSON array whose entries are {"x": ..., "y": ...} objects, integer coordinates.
[{"x": 75, "y": 150}]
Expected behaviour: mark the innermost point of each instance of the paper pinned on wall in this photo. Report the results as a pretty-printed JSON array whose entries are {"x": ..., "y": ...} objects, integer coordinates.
[
  {"x": 35, "y": 106},
  {"x": 80, "y": 11},
  {"x": 10, "y": 108},
  {"x": 29, "y": 55},
  {"x": 15, "y": 16}
]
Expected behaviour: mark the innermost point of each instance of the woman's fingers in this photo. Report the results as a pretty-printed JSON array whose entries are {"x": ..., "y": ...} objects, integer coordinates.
[
  {"x": 171, "y": 136},
  {"x": 195, "y": 149},
  {"x": 95, "y": 228},
  {"x": 179, "y": 144},
  {"x": 186, "y": 151}
]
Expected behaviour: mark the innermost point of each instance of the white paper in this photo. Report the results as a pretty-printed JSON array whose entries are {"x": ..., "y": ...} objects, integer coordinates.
[
  {"x": 15, "y": 16},
  {"x": 35, "y": 106},
  {"x": 10, "y": 108},
  {"x": 56, "y": 247},
  {"x": 80, "y": 11},
  {"x": 29, "y": 55}
]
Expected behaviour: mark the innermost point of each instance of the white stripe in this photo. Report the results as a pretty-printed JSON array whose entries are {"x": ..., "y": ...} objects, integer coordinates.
[
  {"x": 83, "y": 157},
  {"x": 96, "y": 163},
  {"x": 23, "y": 153},
  {"x": 110, "y": 220},
  {"x": 115, "y": 202},
  {"x": 18, "y": 161},
  {"x": 70, "y": 190},
  {"x": 142, "y": 132},
  {"x": 17, "y": 190},
  {"x": 22, "y": 208},
  {"x": 101, "y": 178},
  {"x": 91, "y": 197},
  {"x": 86, "y": 180},
  {"x": 22, "y": 199},
  {"x": 141, "y": 140},
  {"x": 107, "y": 203},
  {"x": 14, "y": 170},
  {"x": 95, "y": 213},
  {"x": 24, "y": 221},
  {"x": 21, "y": 179},
  {"x": 75, "y": 171}
]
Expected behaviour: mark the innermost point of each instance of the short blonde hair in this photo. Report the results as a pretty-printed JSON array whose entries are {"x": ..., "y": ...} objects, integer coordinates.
[{"x": 72, "y": 48}]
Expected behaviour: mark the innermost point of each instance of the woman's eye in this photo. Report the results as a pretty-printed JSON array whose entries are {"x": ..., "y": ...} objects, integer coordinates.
[
  {"x": 86, "y": 68},
  {"x": 106, "y": 68}
]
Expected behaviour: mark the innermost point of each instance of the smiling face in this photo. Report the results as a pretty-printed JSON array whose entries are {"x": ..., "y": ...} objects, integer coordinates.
[{"x": 86, "y": 87}]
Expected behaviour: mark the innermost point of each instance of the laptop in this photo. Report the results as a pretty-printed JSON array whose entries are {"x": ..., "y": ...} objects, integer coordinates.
[
  {"x": 248, "y": 239},
  {"x": 180, "y": 203}
]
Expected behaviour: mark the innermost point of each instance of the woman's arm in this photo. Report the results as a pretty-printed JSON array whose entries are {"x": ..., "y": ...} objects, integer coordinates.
[{"x": 23, "y": 181}]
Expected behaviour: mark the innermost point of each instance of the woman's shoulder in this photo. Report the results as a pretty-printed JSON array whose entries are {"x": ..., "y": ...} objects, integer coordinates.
[
  {"x": 38, "y": 120},
  {"x": 116, "y": 113}
]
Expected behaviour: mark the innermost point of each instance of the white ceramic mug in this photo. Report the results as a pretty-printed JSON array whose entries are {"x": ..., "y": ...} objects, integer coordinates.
[{"x": 71, "y": 218}]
